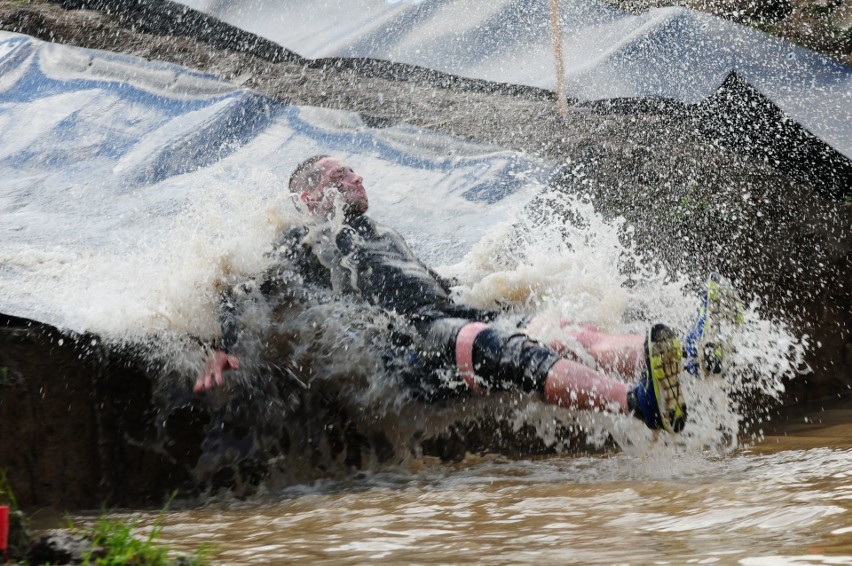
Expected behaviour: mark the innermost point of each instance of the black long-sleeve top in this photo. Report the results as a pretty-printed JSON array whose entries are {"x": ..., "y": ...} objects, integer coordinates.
[{"x": 366, "y": 260}]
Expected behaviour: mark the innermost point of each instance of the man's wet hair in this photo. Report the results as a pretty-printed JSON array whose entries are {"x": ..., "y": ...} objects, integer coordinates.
[{"x": 305, "y": 176}]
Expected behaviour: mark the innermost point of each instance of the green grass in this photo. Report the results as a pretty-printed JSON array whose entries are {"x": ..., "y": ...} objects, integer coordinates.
[
  {"x": 113, "y": 544},
  {"x": 6, "y": 493}
]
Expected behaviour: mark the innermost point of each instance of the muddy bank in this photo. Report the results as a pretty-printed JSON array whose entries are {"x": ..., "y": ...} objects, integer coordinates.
[
  {"x": 705, "y": 186},
  {"x": 86, "y": 426}
]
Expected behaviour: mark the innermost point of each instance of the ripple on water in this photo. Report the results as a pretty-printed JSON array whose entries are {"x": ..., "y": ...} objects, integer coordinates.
[{"x": 790, "y": 507}]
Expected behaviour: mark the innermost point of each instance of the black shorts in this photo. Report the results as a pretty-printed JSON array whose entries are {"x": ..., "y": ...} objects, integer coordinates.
[{"x": 504, "y": 358}]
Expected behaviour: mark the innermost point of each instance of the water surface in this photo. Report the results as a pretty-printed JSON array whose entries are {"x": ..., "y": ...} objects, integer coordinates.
[{"x": 783, "y": 500}]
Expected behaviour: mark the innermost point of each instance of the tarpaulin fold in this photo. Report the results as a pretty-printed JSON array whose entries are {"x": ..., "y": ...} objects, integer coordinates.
[{"x": 105, "y": 157}]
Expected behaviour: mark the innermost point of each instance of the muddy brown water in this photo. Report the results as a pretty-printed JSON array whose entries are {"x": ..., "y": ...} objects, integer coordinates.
[{"x": 786, "y": 499}]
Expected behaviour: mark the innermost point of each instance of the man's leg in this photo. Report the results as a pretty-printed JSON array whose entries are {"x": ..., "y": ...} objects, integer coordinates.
[
  {"x": 709, "y": 342},
  {"x": 566, "y": 383},
  {"x": 571, "y": 384},
  {"x": 621, "y": 353},
  {"x": 489, "y": 358}
]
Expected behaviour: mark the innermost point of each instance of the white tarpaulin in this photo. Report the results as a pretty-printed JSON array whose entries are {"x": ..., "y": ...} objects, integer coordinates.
[
  {"x": 121, "y": 177},
  {"x": 667, "y": 52}
]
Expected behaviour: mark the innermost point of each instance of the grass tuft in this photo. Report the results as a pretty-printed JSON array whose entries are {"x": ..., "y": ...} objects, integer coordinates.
[{"x": 113, "y": 544}]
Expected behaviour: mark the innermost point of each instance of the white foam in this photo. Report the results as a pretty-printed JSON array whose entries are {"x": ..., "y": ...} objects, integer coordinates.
[{"x": 570, "y": 263}]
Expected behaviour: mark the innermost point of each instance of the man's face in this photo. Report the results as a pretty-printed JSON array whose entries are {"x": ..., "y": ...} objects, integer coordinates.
[{"x": 336, "y": 180}]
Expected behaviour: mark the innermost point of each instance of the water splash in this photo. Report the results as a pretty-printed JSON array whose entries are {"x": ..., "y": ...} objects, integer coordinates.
[
  {"x": 316, "y": 394},
  {"x": 563, "y": 260}
]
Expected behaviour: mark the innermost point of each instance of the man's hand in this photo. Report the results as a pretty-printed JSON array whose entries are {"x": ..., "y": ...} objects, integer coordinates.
[{"x": 210, "y": 375}]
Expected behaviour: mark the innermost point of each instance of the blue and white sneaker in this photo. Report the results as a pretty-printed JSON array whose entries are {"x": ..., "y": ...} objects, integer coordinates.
[
  {"x": 658, "y": 397},
  {"x": 709, "y": 340}
]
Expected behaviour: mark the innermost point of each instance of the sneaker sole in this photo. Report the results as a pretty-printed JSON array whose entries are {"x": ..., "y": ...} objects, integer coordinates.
[
  {"x": 665, "y": 361},
  {"x": 723, "y": 313}
]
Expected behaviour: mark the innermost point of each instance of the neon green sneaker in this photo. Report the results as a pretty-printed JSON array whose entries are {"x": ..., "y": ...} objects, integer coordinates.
[
  {"x": 710, "y": 339},
  {"x": 658, "y": 397}
]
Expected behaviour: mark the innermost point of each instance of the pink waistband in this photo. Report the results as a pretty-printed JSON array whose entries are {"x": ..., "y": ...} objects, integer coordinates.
[{"x": 464, "y": 353}]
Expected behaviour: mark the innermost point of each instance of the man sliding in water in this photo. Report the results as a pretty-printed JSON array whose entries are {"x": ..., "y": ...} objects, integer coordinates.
[{"x": 373, "y": 263}]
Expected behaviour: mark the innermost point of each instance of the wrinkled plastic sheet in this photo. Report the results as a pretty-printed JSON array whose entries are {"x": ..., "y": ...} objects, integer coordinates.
[
  {"x": 104, "y": 154},
  {"x": 667, "y": 52}
]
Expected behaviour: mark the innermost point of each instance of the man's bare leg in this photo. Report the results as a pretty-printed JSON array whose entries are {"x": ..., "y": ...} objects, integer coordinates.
[
  {"x": 575, "y": 386},
  {"x": 567, "y": 384},
  {"x": 656, "y": 397},
  {"x": 620, "y": 353}
]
